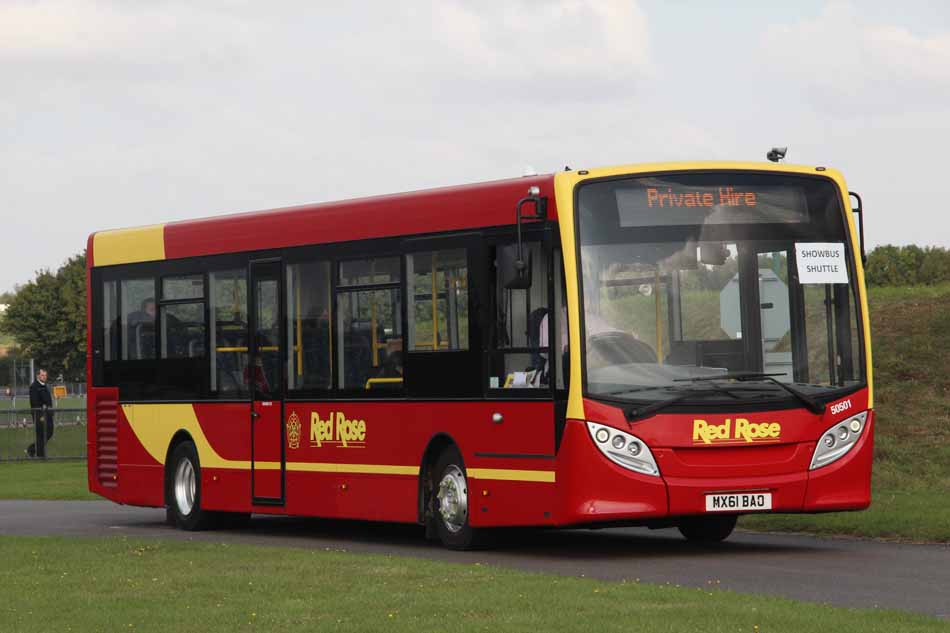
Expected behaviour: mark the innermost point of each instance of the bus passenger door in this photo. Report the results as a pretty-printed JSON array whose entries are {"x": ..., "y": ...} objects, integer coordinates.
[{"x": 265, "y": 377}]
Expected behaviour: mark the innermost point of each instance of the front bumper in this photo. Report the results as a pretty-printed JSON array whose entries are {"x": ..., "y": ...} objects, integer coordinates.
[{"x": 591, "y": 489}]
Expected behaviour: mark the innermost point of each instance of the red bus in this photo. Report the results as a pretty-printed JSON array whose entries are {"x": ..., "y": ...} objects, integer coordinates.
[{"x": 663, "y": 345}]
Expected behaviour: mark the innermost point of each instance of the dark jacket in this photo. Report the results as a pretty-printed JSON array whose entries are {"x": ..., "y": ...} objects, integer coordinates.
[{"x": 39, "y": 395}]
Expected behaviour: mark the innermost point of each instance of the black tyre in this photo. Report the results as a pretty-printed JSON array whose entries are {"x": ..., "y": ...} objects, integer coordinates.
[
  {"x": 183, "y": 490},
  {"x": 708, "y": 529},
  {"x": 450, "y": 502}
]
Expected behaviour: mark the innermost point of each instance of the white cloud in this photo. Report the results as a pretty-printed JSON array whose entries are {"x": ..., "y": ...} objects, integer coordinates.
[
  {"x": 849, "y": 65},
  {"x": 524, "y": 39}
]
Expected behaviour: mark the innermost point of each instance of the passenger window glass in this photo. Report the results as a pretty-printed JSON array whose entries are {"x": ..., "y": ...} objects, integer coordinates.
[
  {"x": 309, "y": 362},
  {"x": 561, "y": 335},
  {"x": 521, "y": 321},
  {"x": 817, "y": 317},
  {"x": 183, "y": 330},
  {"x": 175, "y": 288},
  {"x": 365, "y": 272},
  {"x": 228, "y": 299},
  {"x": 110, "y": 321},
  {"x": 437, "y": 284},
  {"x": 369, "y": 323},
  {"x": 266, "y": 372},
  {"x": 138, "y": 318}
]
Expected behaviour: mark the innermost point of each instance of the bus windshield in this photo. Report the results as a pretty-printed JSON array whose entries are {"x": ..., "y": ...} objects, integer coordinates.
[{"x": 698, "y": 275}]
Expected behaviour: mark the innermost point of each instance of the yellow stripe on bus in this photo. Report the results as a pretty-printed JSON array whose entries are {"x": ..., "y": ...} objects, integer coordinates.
[
  {"x": 155, "y": 425},
  {"x": 502, "y": 474},
  {"x": 334, "y": 467},
  {"x": 370, "y": 469}
]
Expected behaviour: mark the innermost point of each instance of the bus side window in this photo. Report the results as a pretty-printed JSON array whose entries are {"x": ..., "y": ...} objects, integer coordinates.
[
  {"x": 369, "y": 325},
  {"x": 138, "y": 319},
  {"x": 183, "y": 322},
  {"x": 309, "y": 331},
  {"x": 228, "y": 303},
  {"x": 520, "y": 358},
  {"x": 437, "y": 289},
  {"x": 110, "y": 321}
]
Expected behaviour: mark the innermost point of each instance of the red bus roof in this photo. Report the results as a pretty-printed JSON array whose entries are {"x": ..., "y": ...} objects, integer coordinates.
[{"x": 427, "y": 211}]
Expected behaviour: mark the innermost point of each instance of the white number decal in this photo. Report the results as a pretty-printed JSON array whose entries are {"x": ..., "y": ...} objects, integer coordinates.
[{"x": 841, "y": 406}]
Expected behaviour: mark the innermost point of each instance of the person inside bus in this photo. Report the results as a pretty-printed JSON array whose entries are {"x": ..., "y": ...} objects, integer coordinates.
[
  {"x": 316, "y": 352},
  {"x": 357, "y": 353},
  {"x": 538, "y": 342},
  {"x": 264, "y": 375},
  {"x": 261, "y": 384},
  {"x": 141, "y": 331},
  {"x": 392, "y": 368},
  {"x": 564, "y": 338}
]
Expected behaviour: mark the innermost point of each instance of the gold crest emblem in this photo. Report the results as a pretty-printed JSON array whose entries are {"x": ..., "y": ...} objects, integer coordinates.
[{"x": 293, "y": 430}]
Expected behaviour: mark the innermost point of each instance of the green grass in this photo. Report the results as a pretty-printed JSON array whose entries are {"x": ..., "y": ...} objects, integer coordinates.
[
  {"x": 44, "y": 480},
  {"x": 113, "y": 584},
  {"x": 911, "y": 482},
  {"x": 68, "y": 441}
]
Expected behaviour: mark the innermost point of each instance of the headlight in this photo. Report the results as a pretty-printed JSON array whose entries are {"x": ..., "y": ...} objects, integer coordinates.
[
  {"x": 838, "y": 440},
  {"x": 623, "y": 449}
]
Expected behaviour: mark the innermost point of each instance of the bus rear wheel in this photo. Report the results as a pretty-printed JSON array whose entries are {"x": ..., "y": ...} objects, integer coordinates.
[
  {"x": 708, "y": 529},
  {"x": 450, "y": 502},
  {"x": 183, "y": 490}
]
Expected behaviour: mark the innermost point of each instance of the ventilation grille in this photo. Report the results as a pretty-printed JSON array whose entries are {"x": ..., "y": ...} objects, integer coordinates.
[{"x": 107, "y": 443}]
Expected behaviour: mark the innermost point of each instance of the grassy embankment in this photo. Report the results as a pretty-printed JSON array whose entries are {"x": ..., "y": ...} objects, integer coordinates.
[
  {"x": 116, "y": 584},
  {"x": 911, "y": 482},
  {"x": 911, "y": 347}
]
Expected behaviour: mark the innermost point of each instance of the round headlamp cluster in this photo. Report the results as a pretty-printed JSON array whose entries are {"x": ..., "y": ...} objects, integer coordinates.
[
  {"x": 838, "y": 440},
  {"x": 623, "y": 449}
]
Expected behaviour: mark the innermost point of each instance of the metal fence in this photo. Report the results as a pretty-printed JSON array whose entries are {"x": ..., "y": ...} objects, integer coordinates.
[{"x": 18, "y": 431}]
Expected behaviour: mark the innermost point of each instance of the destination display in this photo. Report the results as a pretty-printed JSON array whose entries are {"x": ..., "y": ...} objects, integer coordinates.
[{"x": 669, "y": 201}]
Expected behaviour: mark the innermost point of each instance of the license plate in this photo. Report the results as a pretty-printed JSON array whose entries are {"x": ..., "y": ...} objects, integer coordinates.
[{"x": 735, "y": 502}]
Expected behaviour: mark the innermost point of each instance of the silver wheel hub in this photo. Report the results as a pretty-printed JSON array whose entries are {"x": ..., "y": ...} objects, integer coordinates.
[
  {"x": 185, "y": 487},
  {"x": 453, "y": 499}
]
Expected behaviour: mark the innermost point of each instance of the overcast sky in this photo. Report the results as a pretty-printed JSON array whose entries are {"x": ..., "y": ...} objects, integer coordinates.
[{"x": 133, "y": 112}]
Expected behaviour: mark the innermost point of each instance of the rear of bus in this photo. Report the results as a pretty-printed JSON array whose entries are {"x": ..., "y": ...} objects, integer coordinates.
[{"x": 724, "y": 362}]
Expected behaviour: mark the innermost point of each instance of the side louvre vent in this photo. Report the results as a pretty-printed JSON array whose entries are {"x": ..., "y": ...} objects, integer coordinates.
[{"x": 107, "y": 443}]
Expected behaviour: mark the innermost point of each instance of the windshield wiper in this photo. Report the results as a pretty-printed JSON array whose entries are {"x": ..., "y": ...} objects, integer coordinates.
[
  {"x": 810, "y": 403},
  {"x": 610, "y": 394},
  {"x": 635, "y": 414}
]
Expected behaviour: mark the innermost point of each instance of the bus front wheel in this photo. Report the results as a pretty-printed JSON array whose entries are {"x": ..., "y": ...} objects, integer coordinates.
[
  {"x": 708, "y": 529},
  {"x": 450, "y": 502},
  {"x": 183, "y": 490}
]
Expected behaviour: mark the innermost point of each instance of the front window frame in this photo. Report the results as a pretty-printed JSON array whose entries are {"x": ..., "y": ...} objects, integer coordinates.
[{"x": 687, "y": 405}]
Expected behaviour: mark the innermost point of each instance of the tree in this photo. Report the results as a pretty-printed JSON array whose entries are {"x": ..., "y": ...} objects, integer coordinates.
[
  {"x": 908, "y": 265},
  {"x": 47, "y": 317}
]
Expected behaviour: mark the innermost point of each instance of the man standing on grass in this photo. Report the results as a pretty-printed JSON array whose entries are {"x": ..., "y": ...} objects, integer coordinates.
[{"x": 42, "y": 405}]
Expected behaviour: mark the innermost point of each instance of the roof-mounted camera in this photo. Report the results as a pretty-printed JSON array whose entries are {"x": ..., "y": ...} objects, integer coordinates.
[{"x": 776, "y": 154}]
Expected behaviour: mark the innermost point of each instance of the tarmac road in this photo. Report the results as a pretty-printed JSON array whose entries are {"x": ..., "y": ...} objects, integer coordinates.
[{"x": 844, "y": 572}]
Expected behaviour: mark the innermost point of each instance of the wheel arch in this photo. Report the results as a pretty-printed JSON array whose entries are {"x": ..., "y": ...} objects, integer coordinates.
[
  {"x": 437, "y": 443},
  {"x": 180, "y": 437}
]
